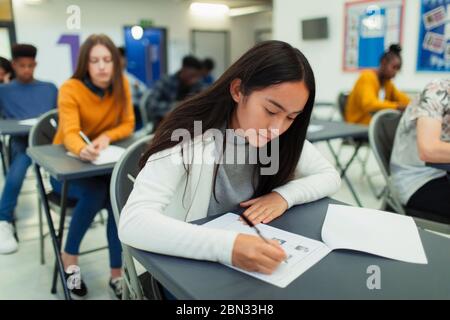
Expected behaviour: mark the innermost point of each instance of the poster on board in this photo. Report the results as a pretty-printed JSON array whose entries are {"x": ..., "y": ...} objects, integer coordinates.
[
  {"x": 371, "y": 26},
  {"x": 434, "y": 36}
]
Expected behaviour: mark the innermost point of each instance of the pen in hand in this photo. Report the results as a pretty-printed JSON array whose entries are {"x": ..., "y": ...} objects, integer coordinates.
[
  {"x": 89, "y": 153},
  {"x": 247, "y": 221},
  {"x": 84, "y": 137},
  {"x": 251, "y": 224}
]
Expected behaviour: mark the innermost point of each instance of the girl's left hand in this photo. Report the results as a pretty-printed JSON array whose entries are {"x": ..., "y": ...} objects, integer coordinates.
[{"x": 265, "y": 208}]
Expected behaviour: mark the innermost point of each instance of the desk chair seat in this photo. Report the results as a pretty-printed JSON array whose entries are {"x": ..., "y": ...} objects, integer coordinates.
[
  {"x": 382, "y": 132},
  {"x": 54, "y": 200}
]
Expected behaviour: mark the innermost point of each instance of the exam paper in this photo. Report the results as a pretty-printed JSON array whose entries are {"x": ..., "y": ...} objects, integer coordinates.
[
  {"x": 377, "y": 232},
  {"x": 109, "y": 155},
  {"x": 302, "y": 252},
  {"x": 28, "y": 122}
]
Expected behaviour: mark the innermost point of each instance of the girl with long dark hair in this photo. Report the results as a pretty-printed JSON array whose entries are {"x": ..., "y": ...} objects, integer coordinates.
[{"x": 265, "y": 99}]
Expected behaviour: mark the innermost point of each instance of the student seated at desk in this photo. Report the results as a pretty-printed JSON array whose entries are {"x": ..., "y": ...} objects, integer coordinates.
[
  {"x": 172, "y": 89},
  {"x": 423, "y": 135},
  {"x": 375, "y": 91},
  {"x": 263, "y": 101},
  {"x": 22, "y": 98},
  {"x": 207, "y": 69},
  {"x": 96, "y": 101}
]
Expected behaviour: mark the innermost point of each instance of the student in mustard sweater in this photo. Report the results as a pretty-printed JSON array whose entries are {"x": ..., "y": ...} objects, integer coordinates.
[
  {"x": 375, "y": 91},
  {"x": 97, "y": 101}
]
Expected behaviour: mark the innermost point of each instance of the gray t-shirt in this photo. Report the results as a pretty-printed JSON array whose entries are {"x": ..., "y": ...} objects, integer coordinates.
[
  {"x": 235, "y": 181},
  {"x": 408, "y": 172}
]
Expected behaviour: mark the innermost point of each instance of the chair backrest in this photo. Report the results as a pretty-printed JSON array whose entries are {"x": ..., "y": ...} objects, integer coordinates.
[
  {"x": 382, "y": 129},
  {"x": 342, "y": 102},
  {"x": 44, "y": 130},
  {"x": 124, "y": 173},
  {"x": 143, "y": 107},
  {"x": 122, "y": 180}
]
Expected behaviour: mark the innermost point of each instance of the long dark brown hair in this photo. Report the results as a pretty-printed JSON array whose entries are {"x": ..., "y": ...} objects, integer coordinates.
[
  {"x": 268, "y": 63},
  {"x": 118, "y": 88}
]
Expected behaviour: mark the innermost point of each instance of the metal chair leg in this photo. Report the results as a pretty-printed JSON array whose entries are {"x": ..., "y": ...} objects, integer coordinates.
[
  {"x": 52, "y": 232},
  {"x": 59, "y": 237},
  {"x": 41, "y": 233},
  {"x": 130, "y": 273}
]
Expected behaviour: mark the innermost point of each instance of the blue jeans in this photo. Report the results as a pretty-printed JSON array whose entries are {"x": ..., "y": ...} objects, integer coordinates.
[
  {"x": 92, "y": 195},
  {"x": 14, "y": 178}
]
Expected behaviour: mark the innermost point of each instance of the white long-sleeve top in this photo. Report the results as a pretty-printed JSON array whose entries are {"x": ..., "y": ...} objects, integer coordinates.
[{"x": 163, "y": 201}]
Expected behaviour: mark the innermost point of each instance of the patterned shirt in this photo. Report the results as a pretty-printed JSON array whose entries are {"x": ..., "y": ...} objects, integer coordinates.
[
  {"x": 164, "y": 95},
  {"x": 408, "y": 172}
]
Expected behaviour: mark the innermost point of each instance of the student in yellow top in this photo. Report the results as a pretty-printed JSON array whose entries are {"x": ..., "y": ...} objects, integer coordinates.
[
  {"x": 96, "y": 101},
  {"x": 375, "y": 91}
]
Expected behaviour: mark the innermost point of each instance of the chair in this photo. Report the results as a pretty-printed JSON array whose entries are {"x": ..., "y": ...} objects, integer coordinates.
[
  {"x": 382, "y": 132},
  {"x": 42, "y": 133},
  {"x": 342, "y": 103},
  {"x": 147, "y": 125},
  {"x": 124, "y": 173}
]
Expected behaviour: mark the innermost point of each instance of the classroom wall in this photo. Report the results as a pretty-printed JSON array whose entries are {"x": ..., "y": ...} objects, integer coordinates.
[
  {"x": 43, "y": 24},
  {"x": 246, "y": 27},
  {"x": 325, "y": 56}
]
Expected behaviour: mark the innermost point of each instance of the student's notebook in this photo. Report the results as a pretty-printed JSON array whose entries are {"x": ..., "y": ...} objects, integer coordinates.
[
  {"x": 109, "y": 155},
  {"x": 380, "y": 233}
]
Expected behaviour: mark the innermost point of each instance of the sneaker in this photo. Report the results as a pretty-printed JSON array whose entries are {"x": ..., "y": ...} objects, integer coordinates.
[
  {"x": 80, "y": 291},
  {"x": 8, "y": 243},
  {"x": 115, "y": 288}
]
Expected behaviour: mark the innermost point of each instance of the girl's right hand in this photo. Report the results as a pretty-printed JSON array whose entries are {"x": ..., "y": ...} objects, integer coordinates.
[
  {"x": 89, "y": 153},
  {"x": 252, "y": 253}
]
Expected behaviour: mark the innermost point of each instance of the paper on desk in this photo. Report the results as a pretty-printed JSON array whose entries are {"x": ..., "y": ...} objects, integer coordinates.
[
  {"x": 377, "y": 232},
  {"x": 109, "y": 155},
  {"x": 28, "y": 122},
  {"x": 302, "y": 252},
  {"x": 314, "y": 128}
]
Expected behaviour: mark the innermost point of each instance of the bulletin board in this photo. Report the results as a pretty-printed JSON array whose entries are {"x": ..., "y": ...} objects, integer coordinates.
[
  {"x": 371, "y": 26},
  {"x": 434, "y": 36}
]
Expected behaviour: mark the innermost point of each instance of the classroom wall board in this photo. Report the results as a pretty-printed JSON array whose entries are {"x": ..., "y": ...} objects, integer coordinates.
[
  {"x": 434, "y": 36},
  {"x": 370, "y": 27}
]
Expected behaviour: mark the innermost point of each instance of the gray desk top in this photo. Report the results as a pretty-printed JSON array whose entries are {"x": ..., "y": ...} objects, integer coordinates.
[
  {"x": 53, "y": 158},
  {"x": 13, "y": 128},
  {"x": 442, "y": 166},
  {"x": 340, "y": 275},
  {"x": 337, "y": 129}
]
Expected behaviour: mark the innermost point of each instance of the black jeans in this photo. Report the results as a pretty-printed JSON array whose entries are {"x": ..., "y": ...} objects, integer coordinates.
[{"x": 433, "y": 197}]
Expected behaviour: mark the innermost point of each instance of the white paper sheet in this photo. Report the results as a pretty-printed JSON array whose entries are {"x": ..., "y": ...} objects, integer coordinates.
[
  {"x": 302, "y": 252},
  {"x": 28, "y": 122},
  {"x": 377, "y": 232},
  {"x": 109, "y": 155}
]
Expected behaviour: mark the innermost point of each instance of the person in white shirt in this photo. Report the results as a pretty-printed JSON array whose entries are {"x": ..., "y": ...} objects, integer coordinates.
[{"x": 263, "y": 102}]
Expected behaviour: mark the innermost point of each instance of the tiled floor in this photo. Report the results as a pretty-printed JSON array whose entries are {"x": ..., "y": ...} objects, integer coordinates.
[{"x": 23, "y": 277}]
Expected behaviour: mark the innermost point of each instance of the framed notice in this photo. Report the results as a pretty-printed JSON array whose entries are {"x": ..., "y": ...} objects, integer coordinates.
[{"x": 371, "y": 26}]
